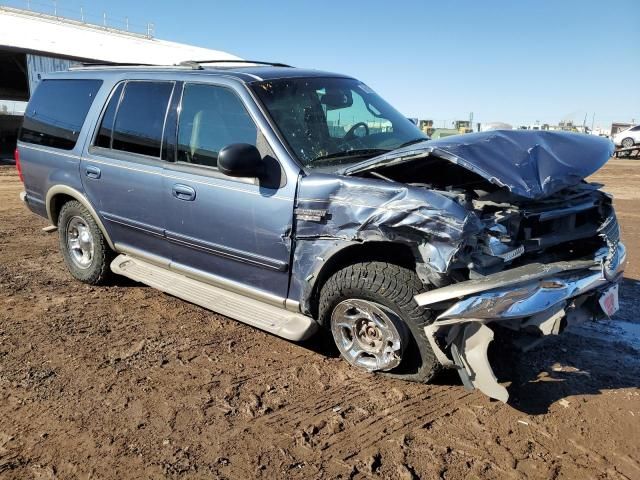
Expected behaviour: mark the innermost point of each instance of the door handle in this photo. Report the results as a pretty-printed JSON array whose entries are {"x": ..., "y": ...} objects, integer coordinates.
[
  {"x": 92, "y": 172},
  {"x": 183, "y": 192}
]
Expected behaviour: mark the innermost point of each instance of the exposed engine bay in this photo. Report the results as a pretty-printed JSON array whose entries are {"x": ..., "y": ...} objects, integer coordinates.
[{"x": 517, "y": 231}]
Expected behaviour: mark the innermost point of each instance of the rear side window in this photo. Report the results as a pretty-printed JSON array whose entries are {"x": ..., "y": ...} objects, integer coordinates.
[
  {"x": 140, "y": 117},
  {"x": 211, "y": 118},
  {"x": 57, "y": 111}
]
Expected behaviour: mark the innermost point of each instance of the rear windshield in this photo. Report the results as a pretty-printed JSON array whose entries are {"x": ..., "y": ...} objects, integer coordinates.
[{"x": 57, "y": 111}]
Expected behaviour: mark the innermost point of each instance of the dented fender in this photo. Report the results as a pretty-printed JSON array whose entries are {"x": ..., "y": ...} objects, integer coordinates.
[{"x": 335, "y": 212}]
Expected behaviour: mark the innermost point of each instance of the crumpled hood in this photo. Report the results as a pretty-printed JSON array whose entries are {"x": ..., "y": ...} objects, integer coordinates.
[{"x": 531, "y": 164}]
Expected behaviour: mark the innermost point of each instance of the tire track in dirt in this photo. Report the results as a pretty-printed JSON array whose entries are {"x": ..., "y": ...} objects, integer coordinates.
[
  {"x": 303, "y": 429},
  {"x": 404, "y": 417},
  {"x": 370, "y": 429}
]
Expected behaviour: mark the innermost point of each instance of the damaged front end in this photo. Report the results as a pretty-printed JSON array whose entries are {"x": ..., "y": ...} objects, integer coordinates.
[
  {"x": 534, "y": 300},
  {"x": 503, "y": 228},
  {"x": 549, "y": 254}
]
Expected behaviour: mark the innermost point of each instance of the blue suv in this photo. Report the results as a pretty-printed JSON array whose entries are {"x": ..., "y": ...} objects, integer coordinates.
[{"x": 290, "y": 199}]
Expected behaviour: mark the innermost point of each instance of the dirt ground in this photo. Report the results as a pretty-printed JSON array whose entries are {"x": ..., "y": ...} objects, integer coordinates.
[{"x": 126, "y": 382}]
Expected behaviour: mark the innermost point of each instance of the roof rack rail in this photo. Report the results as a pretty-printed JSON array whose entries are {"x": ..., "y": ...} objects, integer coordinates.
[
  {"x": 80, "y": 65},
  {"x": 197, "y": 64}
]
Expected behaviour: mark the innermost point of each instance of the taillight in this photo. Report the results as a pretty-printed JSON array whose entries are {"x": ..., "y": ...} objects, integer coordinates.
[{"x": 16, "y": 156}]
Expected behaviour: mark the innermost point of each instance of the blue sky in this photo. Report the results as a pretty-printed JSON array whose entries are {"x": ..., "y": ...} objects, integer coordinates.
[{"x": 516, "y": 61}]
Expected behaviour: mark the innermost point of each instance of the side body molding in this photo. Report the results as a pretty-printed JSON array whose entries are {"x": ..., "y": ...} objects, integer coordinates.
[{"x": 77, "y": 195}]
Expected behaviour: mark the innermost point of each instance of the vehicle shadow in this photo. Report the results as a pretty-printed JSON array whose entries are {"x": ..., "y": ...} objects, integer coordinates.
[
  {"x": 585, "y": 360},
  {"x": 321, "y": 343},
  {"x": 124, "y": 282}
]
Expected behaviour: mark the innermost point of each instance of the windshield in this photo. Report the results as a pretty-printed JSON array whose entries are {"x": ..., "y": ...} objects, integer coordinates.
[{"x": 331, "y": 121}]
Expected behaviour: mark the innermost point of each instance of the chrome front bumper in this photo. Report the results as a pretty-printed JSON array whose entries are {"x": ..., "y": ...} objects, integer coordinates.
[{"x": 535, "y": 297}]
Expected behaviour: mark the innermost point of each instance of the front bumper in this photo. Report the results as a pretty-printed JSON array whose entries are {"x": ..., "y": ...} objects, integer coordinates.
[{"x": 539, "y": 298}]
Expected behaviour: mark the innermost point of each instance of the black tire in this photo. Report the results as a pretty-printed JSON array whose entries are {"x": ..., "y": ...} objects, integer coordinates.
[
  {"x": 97, "y": 272},
  {"x": 393, "y": 287},
  {"x": 627, "y": 142}
]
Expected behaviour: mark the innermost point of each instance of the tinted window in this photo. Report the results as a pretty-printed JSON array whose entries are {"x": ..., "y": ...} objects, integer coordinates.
[
  {"x": 57, "y": 112},
  {"x": 211, "y": 118},
  {"x": 106, "y": 126},
  {"x": 140, "y": 118}
]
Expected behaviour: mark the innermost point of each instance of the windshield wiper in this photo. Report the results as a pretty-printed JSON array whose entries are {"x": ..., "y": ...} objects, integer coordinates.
[
  {"x": 411, "y": 142},
  {"x": 358, "y": 153}
]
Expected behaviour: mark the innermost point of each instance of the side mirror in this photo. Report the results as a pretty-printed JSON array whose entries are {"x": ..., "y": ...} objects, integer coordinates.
[{"x": 240, "y": 160}]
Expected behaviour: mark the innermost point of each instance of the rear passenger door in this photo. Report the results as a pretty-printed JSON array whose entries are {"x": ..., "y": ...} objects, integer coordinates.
[
  {"x": 122, "y": 168},
  {"x": 234, "y": 231}
]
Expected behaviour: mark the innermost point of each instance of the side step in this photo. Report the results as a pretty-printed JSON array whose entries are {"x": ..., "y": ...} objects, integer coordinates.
[{"x": 278, "y": 321}]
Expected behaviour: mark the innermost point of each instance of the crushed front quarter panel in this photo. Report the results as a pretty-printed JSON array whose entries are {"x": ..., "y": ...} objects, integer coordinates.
[{"x": 333, "y": 212}]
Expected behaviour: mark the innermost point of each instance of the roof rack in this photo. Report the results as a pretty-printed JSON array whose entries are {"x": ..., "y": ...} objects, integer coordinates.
[
  {"x": 109, "y": 64},
  {"x": 197, "y": 64},
  {"x": 193, "y": 64}
]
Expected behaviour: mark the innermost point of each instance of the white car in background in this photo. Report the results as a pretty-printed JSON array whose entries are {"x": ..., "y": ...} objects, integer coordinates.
[{"x": 627, "y": 138}]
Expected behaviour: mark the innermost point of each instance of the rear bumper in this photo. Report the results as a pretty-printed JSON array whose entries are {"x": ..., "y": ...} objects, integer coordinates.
[
  {"x": 36, "y": 206},
  {"x": 537, "y": 298}
]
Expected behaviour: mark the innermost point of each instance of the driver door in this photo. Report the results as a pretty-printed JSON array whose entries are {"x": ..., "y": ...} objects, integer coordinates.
[{"x": 235, "y": 230}]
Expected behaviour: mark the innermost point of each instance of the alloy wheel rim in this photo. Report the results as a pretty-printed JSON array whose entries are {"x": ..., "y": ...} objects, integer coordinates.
[
  {"x": 366, "y": 336},
  {"x": 80, "y": 242}
]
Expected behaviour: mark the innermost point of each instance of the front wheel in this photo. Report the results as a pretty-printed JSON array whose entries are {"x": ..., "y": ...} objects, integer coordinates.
[
  {"x": 83, "y": 246},
  {"x": 375, "y": 322},
  {"x": 627, "y": 142}
]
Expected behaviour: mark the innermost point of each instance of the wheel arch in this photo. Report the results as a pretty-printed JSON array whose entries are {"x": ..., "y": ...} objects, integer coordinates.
[
  {"x": 390, "y": 252},
  {"x": 58, "y": 195}
]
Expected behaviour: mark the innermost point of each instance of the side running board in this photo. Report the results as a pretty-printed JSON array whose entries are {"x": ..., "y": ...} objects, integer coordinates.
[{"x": 278, "y": 321}]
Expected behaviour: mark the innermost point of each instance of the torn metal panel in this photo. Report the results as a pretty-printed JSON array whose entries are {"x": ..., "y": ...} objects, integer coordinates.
[
  {"x": 309, "y": 258},
  {"x": 548, "y": 324},
  {"x": 332, "y": 212},
  {"x": 473, "y": 363},
  {"x": 506, "y": 278},
  {"x": 526, "y": 290},
  {"x": 530, "y": 164},
  {"x": 537, "y": 298},
  {"x": 362, "y": 208}
]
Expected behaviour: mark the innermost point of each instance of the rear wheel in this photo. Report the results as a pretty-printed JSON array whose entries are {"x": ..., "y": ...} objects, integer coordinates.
[
  {"x": 375, "y": 322},
  {"x": 627, "y": 142},
  {"x": 83, "y": 246}
]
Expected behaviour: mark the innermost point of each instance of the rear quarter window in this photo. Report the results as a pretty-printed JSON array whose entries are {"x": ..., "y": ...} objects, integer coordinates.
[{"x": 56, "y": 112}]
